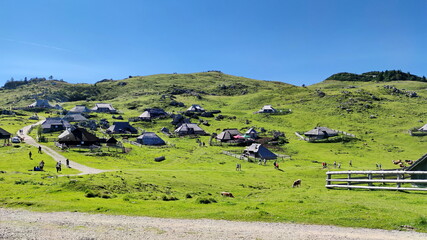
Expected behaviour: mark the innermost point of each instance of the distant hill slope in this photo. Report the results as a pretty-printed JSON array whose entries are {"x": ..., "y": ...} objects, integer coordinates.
[
  {"x": 22, "y": 93},
  {"x": 383, "y": 76}
]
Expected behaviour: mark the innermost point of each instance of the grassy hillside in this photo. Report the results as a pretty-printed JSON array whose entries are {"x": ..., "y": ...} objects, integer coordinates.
[{"x": 187, "y": 184}]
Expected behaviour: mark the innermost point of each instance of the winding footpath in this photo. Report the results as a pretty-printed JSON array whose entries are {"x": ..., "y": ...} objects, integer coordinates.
[{"x": 23, "y": 133}]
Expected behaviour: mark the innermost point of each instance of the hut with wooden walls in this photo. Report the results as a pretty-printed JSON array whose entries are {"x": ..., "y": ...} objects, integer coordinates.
[
  {"x": 79, "y": 109},
  {"x": 153, "y": 113},
  {"x": 78, "y": 136},
  {"x": 150, "y": 138},
  {"x": 267, "y": 109},
  {"x": 121, "y": 127},
  {"x": 320, "y": 133},
  {"x": 55, "y": 125},
  {"x": 189, "y": 129},
  {"x": 40, "y": 103},
  {"x": 228, "y": 135},
  {"x": 104, "y": 108},
  {"x": 419, "y": 165},
  {"x": 5, "y": 135},
  {"x": 256, "y": 150},
  {"x": 251, "y": 133},
  {"x": 195, "y": 108}
]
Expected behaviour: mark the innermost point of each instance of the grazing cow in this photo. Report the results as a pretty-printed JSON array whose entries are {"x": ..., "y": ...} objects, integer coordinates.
[
  {"x": 227, "y": 194},
  {"x": 397, "y": 162},
  {"x": 297, "y": 183},
  {"x": 410, "y": 162},
  {"x": 401, "y": 165}
]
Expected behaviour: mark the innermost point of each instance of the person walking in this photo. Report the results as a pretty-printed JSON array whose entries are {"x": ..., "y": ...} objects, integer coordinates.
[
  {"x": 58, "y": 166},
  {"x": 40, "y": 149},
  {"x": 67, "y": 162},
  {"x": 30, "y": 155},
  {"x": 41, "y": 165}
]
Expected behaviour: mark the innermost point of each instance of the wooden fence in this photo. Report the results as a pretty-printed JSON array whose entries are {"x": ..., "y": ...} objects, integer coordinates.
[{"x": 353, "y": 180}]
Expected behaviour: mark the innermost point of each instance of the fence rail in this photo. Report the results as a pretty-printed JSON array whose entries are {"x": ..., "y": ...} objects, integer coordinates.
[{"x": 369, "y": 177}]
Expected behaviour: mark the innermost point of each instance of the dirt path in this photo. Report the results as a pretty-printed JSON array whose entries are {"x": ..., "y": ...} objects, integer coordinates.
[
  {"x": 23, "y": 133},
  {"x": 22, "y": 224}
]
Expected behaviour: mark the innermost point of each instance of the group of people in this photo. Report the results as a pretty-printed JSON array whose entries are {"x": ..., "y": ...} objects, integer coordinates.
[{"x": 40, "y": 167}]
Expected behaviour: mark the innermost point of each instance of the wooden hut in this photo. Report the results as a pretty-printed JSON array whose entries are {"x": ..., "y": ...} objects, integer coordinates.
[
  {"x": 251, "y": 133},
  {"x": 121, "y": 127},
  {"x": 320, "y": 133},
  {"x": 195, "y": 108},
  {"x": 189, "y": 129},
  {"x": 153, "y": 113},
  {"x": 5, "y": 135},
  {"x": 79, "y": 109},
  {"x": 55, "y": 125},
  {"x": 150, "y": 138},
  {"x": 419, "y": 165},
  {"x": 104, "y": 108},
  {"x": 78, "y": 136},
  {"x": 267, "y": 109},
  {"x": 256, "y": 150},
  {"x": 41, "y": 103},
  {"x": 228, "y": 135}
]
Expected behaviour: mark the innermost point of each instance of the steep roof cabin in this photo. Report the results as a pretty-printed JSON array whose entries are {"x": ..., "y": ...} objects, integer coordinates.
[
  {"x": 41, "y": 103},
  {"x": 79, "y": 109},
  {"x": 189, "y": 129},
  {"x": 5, "y": 135},
  {"x": 78, "y": 136},
  {"x": 121, "y": 127},
  {"x": 153, "y": 113},
  {"x": 320, "y": 133},
  {"x": 228, "y": 135},
  {"x": 195, "y": 108},
  {"x": 419, "y": 165},
  {"x": 251, "y": 133},
  {"x": 267, "y": 109},
  {"x": 256, "y": 150},
  {"x": 55, "y": 125},
  {"x": 75, "y": 117},
  {"x": 104, "y": 108},
  {"x": 150, "y": 138}
]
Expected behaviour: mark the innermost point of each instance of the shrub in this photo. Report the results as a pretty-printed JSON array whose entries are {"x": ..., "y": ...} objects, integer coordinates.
[{"x": 205, "y": 200}]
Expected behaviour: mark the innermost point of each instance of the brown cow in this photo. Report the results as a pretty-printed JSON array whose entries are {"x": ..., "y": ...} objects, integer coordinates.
[
  {"x": 297, "y": 183},
  {"x": 227, "y": 194},
  {"x": 396, "y": 162}
]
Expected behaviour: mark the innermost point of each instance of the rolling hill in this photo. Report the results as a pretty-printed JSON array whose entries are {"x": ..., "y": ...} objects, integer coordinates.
[{"x": 188, "y": 182}]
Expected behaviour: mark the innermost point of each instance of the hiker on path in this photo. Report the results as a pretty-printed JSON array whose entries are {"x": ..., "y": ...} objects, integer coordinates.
[
  {"x": 58, "y": 166},
  {"x": 30, "y": 155},
  {"x": 41, "y": 165},
  {"x": 67, "y": 162},
  {"x": 40, "y": 149}
]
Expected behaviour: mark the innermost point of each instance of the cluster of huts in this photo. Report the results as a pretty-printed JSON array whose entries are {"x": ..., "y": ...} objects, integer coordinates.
[{"x": 74, "y": 134}]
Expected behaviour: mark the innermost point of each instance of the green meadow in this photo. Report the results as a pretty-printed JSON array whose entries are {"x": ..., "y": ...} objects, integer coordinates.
[{"x": 188, "y": 183}]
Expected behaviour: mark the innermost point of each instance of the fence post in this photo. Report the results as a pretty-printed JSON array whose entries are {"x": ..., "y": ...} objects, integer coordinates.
[
  {"x": 370, "y": 178},
  {"x": 349, "y": 183},
  {"x": 398, "y": 178},
  {"x": 328, "y": 177}
]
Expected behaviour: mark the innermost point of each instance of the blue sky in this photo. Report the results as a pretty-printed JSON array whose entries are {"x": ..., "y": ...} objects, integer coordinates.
[{"x": 297, "y": 42}]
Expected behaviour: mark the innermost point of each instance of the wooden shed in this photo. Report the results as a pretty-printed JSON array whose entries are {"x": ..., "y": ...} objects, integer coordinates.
[{"x": 419, "y": 165}]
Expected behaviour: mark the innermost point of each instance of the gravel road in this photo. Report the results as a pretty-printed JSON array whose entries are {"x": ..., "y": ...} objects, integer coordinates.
[{"x": 22, "y": 224}]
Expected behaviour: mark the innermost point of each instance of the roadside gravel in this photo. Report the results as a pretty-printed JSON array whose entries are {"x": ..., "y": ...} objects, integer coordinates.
[{"x": 22, "y": 224}]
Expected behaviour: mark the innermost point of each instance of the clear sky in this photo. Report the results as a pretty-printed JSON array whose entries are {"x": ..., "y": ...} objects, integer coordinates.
[{"x": 293, "y": 41}]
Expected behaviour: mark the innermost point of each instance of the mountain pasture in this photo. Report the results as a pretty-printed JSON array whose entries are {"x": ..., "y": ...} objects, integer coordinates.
[{"x": 189, "y": 182}]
